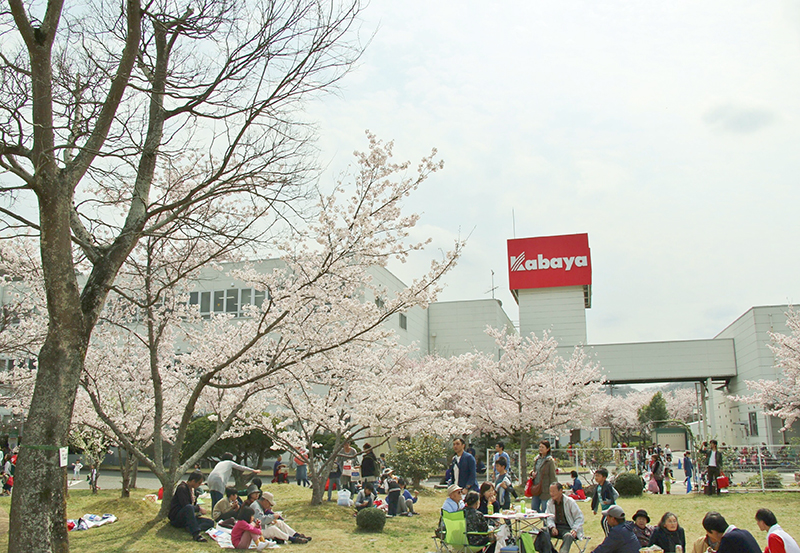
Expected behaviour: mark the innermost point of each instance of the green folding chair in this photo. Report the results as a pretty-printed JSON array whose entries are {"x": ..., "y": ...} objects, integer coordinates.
[{"x": 453, "y": 536}]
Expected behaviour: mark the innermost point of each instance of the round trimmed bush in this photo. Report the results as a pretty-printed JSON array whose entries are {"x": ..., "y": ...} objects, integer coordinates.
[
  {"x": 371, "y": 520},
  {"x": 628, "y": 484}
]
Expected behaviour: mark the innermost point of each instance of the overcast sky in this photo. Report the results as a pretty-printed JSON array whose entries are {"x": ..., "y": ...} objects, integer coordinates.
[{"x": 668, "y": 132}]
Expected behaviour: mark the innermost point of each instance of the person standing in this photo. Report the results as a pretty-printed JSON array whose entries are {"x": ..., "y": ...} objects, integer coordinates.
[
  {"x": 657, "y": 467},
  {"x": 218, "y": 479},
  {"x": 500, "y": 452},
  {"x": 347, "y": 462},
  {"x": 369, "y": 465},
  {"x": 603, "y": 496},
  {"x": 76, "y": 469},
  {"x": 464, "y": 467},
  {"x": 778, "y": 541},
  {"x": 301, "y": 473},
  {"x": 714, "y": 464},
  {"x": 688, "y": 470},
  {"x": 543, "y": 474}
]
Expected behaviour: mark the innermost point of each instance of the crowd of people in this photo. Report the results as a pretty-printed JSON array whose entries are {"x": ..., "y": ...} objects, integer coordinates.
[
  {"x": 566, "y": 519},
  {"x": 248, "y": 514}
]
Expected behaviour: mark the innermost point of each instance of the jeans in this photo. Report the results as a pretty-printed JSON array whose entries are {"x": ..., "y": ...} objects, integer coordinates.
[
  {"x": 186, "y": 518},
  {"x": 537, "y": 504},
  {"x": 215, "y": 496},
  {"x": 333, "y": 480}
]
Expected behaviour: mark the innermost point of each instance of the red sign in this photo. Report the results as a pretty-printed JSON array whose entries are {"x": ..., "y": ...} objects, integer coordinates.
[{"x": 549, "y": 262}]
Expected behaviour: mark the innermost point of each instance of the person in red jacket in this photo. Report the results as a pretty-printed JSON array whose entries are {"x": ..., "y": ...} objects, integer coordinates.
[{"x": 778, "y": 541}]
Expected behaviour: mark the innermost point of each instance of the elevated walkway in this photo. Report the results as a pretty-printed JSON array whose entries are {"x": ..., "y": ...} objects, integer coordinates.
[{"x": 677, "y": 361}]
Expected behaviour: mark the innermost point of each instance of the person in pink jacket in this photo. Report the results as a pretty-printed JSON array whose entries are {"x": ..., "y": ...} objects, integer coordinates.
[{"x": 244, "y": 531}]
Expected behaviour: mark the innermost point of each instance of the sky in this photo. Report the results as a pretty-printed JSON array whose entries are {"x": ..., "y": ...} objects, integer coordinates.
[{"x": 668, "y": 132}]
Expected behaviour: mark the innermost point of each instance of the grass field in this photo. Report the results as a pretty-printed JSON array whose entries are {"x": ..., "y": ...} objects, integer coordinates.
[{"x": 333, "y": 528}]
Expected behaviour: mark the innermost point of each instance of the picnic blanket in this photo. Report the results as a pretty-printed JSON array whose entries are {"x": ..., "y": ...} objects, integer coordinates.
[
  {"x": 223, "y": 537},
  {"x": 90, "y": 521}
]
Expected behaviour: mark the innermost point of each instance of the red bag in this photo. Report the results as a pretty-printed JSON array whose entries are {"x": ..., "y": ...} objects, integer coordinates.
[
  {"x": 723, "y": 481},
  {"x": 529, "y": 488}
]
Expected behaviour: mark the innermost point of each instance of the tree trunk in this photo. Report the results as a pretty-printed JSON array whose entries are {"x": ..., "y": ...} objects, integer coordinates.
[
  {"x": 134, "y": 473},
  {"x": 523, "y": 456},
  {"x": 317, "y": 489},
  {"x": 126, "y": 468},
  {"x": 39, "y": 499},
  {"x": 169, "y": 483}
]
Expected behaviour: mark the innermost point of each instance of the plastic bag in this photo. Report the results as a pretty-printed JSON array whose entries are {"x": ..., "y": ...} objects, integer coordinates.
[
  {"x": 343, "y": 498},
  {"x": 529, "y": 488}
]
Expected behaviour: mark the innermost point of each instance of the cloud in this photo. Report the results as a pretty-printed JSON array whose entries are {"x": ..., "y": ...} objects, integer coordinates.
[{"x": 734, "y": 119}]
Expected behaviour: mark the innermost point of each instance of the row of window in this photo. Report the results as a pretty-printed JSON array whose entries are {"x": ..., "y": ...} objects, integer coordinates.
[{"x": 230, "y": 301}]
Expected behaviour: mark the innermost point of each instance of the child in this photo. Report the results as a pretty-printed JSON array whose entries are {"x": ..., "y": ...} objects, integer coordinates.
[
  {"x": 244, "y": 531},
  {"x": 603, "y": 496},
  {"x": 667, "y": 480},
  {"x": 365, "y": 498}
]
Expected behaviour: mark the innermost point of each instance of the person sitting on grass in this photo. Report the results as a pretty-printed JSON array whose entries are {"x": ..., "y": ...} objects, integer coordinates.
[
  {"x": 730, "y": 538},
  {"x": 477, "y": 523},
  {"x": 668, "y": 534},
  {"x": 244, "y": 531},
  {"x": 642, "y": 528},
  {"x": 183, "y": 510},
  {"x": 620, "y": 538},
  {"x": 365, "y": 498},
  {"x": 778, "y": 541},
  {"x": 576, "y": 488},
  {"x": 272, "y": 524},
  {"x": 227, "y": 507},
  {"x": 407, "y": 496}
]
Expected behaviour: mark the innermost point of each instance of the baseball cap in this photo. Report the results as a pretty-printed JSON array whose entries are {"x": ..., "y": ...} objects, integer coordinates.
[{"x": 614, "y": 511}]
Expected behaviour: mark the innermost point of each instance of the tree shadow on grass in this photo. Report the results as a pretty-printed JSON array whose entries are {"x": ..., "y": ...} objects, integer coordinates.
[{"x": 139, "y": 534}]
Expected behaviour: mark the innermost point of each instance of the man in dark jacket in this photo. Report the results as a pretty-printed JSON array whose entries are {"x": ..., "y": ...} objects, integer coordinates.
[
  {"x": 183, "y": 510},
  {"x": 369, "y": 463},
  {"x": 714, "y": 464},
  {"x": 730, "y": 538},
  {"x": 621, "y": 538},
  {"x": 464, "y": 466}
]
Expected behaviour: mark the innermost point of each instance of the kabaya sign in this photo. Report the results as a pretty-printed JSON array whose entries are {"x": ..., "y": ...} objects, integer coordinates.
[{"x": 549, "y": 261}]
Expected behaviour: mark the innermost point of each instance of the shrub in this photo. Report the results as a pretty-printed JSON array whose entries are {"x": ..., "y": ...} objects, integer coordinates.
[
  {"x": 628, "y": 484},
  {"x": 418, "y": 458},
  {"x": 371, "y": 520},
  {"x": 772, "y": 480}
]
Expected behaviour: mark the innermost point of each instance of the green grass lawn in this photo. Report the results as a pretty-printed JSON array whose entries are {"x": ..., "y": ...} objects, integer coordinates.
[{"x": 333, "y": 528}]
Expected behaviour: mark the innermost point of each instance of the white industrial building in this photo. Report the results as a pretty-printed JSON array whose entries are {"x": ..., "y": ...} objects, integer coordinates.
[{"x": 550, "y": 277}]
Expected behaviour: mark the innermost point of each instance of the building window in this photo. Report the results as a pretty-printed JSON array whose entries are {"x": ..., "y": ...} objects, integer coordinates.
[
  {"x": 753, "y": 423},
  {"x": 403, "y": 321},
  {"x": 226, "y": 301}
]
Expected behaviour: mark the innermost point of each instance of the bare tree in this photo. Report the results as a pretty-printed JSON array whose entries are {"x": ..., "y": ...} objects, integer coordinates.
[{"x": 100, "y": 102}]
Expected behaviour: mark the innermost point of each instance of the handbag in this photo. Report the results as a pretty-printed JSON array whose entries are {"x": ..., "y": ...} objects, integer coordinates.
[
  {"x": 536, "y": 489},
  {"x": 723, "y": 481},
  {"x": 529, "y": 488}
]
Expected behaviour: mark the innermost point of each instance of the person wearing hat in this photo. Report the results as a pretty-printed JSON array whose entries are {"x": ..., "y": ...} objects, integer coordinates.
[
  {"x": 273, "y": 526},
  {"x": 620, "y": 538},
  {"x": 455, "y": 500},
  {"x": 386, "y": 476},
  {"x": 641, "y": 528},
  {"x": 369, "y": 465},
  {"x": 252, "y": 494}
]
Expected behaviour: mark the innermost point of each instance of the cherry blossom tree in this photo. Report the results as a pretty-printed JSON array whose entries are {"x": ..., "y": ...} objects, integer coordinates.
[
  {"x": 98, "y": 99},
  {"x": 682, "y": 404},
  {"x": 618, "y": 412},
  {"x": 781, "y": 398},
  {"x": 532, "y": 387},
  {"x": 365, "y": 391},
  {"x": 144, "y": 394}
]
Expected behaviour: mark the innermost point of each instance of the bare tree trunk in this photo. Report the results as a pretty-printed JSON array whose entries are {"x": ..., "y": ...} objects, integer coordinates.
[
  {"x": 523, "y": 455},
  {"x": 126, "y": 468},
  {"x": 134, "y": 472}
]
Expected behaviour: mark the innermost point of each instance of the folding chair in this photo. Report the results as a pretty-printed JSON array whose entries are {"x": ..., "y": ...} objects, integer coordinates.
[
  {"x": 453, "y": 536},
  {"x": 527, "y": 542}
]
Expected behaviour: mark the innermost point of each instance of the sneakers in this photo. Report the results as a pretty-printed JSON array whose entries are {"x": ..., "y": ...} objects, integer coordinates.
[
  {"x": 297, "y": 539},
  {"x": 199, "y": 538}
]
